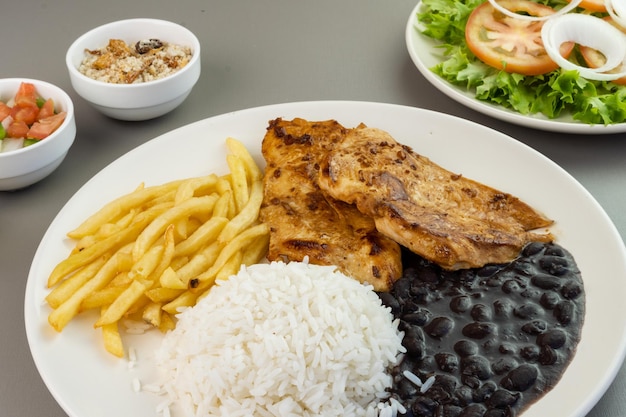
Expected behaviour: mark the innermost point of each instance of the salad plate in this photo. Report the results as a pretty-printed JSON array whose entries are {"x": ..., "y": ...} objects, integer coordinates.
[
  {"x": 425, "y": 54},
  {"x": 86, "y": 380}
]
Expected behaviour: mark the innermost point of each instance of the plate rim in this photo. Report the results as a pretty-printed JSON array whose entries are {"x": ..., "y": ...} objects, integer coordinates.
[
  {"x": 466, "y": 99},
  {"x": 29, "y": 313}
]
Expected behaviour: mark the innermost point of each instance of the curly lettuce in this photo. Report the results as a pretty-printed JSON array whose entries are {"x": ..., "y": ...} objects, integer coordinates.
[{"x": 554, "y": 94}]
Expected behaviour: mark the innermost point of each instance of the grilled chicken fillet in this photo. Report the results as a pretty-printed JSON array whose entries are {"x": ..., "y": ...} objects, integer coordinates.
[
  {"x": 304, "y": 221},
  {"x": 443, "y": 217}
]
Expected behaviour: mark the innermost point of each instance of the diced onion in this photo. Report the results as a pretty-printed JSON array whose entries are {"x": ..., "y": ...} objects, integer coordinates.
[
  {"x": 11, "y": 144},
  {"x": 588, "y": 31},
  {"x": 566, "y": 9},
  {"x": 617, "y": 11}
]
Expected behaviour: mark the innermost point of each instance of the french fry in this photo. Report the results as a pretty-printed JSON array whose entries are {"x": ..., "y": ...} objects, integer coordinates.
[
  {"x": 112, "y": 339},
  {"x": 126, "y": 299},
  {"x": 157, "y": 249},
  {"x": 246, "y": 217},
  {"x": 205, "y": 233},
  {"x": 60, "y": 316},
  {"x": 207, "y": 278},
  {"x": 68, "y": 287},
  {"x": 238, "y": 181},
  {"x": 189, "y": 187},
  {"x": 109, "y": 244},
  {"x": 154, "y": 229},
  {"x": 120, "y": 206},
  {"x": 237, "y": 148}
]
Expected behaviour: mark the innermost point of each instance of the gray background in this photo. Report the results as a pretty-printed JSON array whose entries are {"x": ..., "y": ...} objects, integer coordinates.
[{"x": 254, "y": 53}]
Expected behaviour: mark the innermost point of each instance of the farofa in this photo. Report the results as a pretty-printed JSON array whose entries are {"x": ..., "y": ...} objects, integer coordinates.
[{"x": 119, "y": 63}]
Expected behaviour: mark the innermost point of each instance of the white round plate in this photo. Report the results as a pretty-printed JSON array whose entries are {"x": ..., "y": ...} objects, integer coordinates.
[
  {"x": 87, "y": 381},
  {"x": 425, "y": 55}
]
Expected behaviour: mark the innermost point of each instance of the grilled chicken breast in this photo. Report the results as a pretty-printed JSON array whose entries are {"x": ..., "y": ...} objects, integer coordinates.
[
  {"x": 442, "y": 216},
  {"x": 304, "y": 221}
]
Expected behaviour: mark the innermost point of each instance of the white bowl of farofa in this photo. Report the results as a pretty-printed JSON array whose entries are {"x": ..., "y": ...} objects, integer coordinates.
[{"x": 135, "y": 69}]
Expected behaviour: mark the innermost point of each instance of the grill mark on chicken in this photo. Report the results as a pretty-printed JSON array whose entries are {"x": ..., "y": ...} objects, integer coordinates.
[{"x": 304, "y": 221}]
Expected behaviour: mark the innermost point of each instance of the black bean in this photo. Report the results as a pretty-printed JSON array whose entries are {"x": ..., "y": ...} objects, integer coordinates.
[
  {"x": 439, "y": 327},
  {"x": 414, "y": 340},
  {"x": 554, "y": 251},
  {"x": 496, "y": 412},
  {"x": 554, "y": 265},
  {"x": 473, "y": 410},
  {"x": 564, "y": 312},
  {"x": 520, "y": 378},
  {"x": 476, "y": 366},
  {"x": 511, "y": 286},
  {"x": 506, "y": 348},
  {"x": 465, "y": 348},
  {"x": 549, "y": 300},
  {"x": 481, "y": 312},
  {"x": 502, "y": 308},
  {"x": 483, "y": 392},
  {"x": 530, "y": 352},
  {"x": 554, "y": 338},
  {"x": 419, "y": 317},
  {"x": 503, "y": 365},
  {"x": 503, "y": 398},
  {"x": 424, "y": 406},
  {"x": 447, "y": 362},
  {"x": 531, "y": 293},
  {"x": 448, "y": 410},
  {"x": 479, "y": 330},
  {"x": 546, "y": 282},
  {"x": 526, "y": 311},
  {"x": 535, "y": 327},
  {"x": 532, "y": 248},
  {"x": 460, "y": 304},
  {"x": 401, "y": 289},
  {"x": 571, "y": 290},
  {"x": 406, "y": 389},
  {"x": 390, "y": 301},
  {"x": 524, "y": 268},
  {"x": 547, "y": 355},
  {"x": 463, "y": 394},
  {"x": 447, "y": 383}
]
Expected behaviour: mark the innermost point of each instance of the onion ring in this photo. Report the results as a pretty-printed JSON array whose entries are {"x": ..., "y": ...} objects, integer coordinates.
[
  {"x": 617, "y": 11},
  {"x": 589, "y": 31},
  {"x": 571, "y": 6}
]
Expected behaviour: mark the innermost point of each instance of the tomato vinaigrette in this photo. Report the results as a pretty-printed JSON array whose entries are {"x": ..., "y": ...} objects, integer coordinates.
[{"x": 27, "y": 118}]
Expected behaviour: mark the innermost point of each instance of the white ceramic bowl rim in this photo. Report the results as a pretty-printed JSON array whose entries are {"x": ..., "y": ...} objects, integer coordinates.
[
  {"x": 195, "y": 49},
  {"x": 67, "y": 105}
]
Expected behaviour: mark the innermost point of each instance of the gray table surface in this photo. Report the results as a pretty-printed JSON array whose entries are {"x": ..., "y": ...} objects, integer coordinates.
[{"x": 254, "y": 53}]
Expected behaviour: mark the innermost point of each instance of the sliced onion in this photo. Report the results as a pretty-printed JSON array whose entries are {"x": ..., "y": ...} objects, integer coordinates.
[
  {"x": 588, "y": 31},
  {"x": 571, "y": 6},
  {"x": 617, "y": 11}
]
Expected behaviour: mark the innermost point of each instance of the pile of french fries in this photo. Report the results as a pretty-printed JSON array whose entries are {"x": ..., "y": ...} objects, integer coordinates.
[{"x": 147, "y": 254}]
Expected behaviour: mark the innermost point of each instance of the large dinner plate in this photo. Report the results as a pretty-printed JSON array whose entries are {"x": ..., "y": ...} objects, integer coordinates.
[
  {"x": 86, "y": 381},
  {"x": 425, "y": 55}
]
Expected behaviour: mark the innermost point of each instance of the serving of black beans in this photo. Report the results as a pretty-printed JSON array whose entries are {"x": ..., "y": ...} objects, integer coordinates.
[{"x": 495, "y": 338}]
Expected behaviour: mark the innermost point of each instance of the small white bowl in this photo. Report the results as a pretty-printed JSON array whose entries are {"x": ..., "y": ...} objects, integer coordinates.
[
  {"x": 22, "y": 167},
  {"x": 138, "y": 101}
]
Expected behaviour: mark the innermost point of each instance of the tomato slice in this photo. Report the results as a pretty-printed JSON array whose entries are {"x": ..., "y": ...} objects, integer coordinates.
[
  {"x": 26, "y": 114},
  {"x": 593, "y": 5},
  {"x": 44, "y": 127},
  {"x": 510, "y": 44},
  {"x": 594, "y": 58}
]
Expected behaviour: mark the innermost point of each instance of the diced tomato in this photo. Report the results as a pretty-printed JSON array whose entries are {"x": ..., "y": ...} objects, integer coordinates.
[
  {"x": 45, "y": 127},
  {"x": 17, "y": 130},
  {"x": 4, "y": 110},
  {"x": 509, "y": 44},
  {"x": 26, "y": 95},
  {"x": 46, "y": 110},
  {"x": 26, "y": 114}
]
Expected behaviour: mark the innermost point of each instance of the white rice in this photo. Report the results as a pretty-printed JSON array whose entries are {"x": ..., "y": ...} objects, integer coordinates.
[{"x": 282, "y": 340}]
